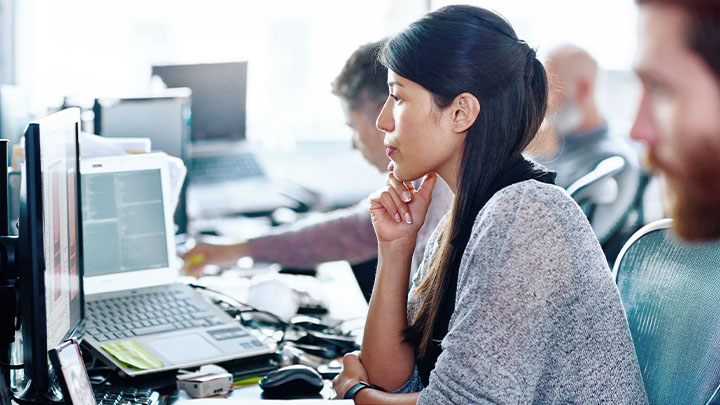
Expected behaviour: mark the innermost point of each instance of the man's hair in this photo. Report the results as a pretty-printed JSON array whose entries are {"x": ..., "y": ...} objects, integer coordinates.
[
  {"x": 362, "y": 83},
  {"x": 703, "y": 30}
]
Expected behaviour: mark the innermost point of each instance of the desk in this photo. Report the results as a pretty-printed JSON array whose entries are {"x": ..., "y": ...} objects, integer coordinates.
[{"x": 346, "y": 303}]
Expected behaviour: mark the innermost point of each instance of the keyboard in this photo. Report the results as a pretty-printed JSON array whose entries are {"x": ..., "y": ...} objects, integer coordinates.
[
  {"x": 113, "y": 395},
  {"x": 143, "y": 314},
  {"x": 224, "y": 168}
]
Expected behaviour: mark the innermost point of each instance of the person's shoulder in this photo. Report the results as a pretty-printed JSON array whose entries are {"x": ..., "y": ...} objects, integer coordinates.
[
  {"x": 527, "y": 193},
  {"x": 526, "y": 204}
]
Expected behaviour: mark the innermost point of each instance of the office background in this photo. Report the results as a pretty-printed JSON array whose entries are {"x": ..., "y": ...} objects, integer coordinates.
[{"x": 294, "y": 49}]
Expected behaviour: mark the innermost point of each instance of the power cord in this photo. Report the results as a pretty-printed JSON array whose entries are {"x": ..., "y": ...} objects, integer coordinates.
[
  {"x": 11, "y": 366},
  {"x": 329, "y": 342}
]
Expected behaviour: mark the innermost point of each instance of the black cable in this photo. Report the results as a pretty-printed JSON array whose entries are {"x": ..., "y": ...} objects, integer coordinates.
[
  {"x": 12, "y": 366},
  {"x": 281, "y": 324}
]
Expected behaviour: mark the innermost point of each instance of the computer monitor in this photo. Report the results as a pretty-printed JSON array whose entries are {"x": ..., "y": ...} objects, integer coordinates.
[
  {"x": 219, "y": 92},
  {"x": 164, "y": 117},
  {"x": 49, "y": 246}
]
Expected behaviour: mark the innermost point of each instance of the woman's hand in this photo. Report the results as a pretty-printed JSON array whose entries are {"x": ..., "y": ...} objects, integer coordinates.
[
  {"x": 398, "y": 210},
  {"x": 205, "y": 253},
  {"x": 353, "y": 372}
]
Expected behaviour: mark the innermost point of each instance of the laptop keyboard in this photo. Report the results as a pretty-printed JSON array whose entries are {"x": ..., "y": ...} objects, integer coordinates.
[
  {"x": 113, "y": 395},
  {"x": 223, "y": 168},
  {"x": 143, "y": 314}
]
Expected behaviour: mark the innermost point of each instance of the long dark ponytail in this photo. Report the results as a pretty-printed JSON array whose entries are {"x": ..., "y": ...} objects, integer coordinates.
[{"x": 459, "y": 49}]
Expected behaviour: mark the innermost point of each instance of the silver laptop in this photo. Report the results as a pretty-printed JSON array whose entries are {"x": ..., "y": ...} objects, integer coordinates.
[
  {"x": 218, "y": 165},
  {"x": 129, "y": 268},
  {"x": 220, "y": 162}
]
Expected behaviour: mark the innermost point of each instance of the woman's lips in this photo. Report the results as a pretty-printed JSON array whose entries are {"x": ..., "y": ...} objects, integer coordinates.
[{"x": 389, "y": 150}]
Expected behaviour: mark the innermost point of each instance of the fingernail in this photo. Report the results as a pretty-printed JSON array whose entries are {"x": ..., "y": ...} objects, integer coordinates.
[
  {"x": 408, "y": 218},
  {"x": 405, "y": 196},
  {"x": 397, "y": 217}
]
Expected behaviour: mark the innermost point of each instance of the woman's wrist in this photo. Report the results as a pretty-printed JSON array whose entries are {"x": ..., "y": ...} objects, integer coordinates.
[
  {"x": 405, "y": 245},
  {"x": 359, "y": 390}
]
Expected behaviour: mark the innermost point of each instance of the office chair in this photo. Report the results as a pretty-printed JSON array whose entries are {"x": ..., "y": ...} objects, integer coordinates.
[
  {"x": 608, "y": 195},
  {"x": 596, "y": 189},
  {"x": 671, "y": 294}
]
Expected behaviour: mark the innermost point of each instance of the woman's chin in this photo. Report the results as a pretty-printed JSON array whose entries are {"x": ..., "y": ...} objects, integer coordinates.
[{"x": 405, "y": 175}]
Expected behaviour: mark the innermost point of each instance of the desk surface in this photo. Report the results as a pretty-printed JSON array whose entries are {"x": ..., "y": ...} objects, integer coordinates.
[{"x": 346, "y": 303}]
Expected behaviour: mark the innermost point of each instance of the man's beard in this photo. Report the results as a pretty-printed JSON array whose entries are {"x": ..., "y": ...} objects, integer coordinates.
[{"x": 695, "y": 193}]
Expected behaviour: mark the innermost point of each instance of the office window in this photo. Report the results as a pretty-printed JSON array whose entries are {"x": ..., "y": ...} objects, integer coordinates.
[
  {"x": 86, "y": 48},
  {"x": 7, "y": 35}
]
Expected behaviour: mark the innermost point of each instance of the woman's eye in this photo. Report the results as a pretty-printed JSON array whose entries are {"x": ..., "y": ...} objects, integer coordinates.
[{"x": 396, "y": 98}]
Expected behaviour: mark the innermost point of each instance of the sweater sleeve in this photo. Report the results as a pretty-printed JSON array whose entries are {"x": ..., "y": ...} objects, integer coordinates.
[
  {"x": 515, "y": 269},
  {"x": 339, "y": 235}
]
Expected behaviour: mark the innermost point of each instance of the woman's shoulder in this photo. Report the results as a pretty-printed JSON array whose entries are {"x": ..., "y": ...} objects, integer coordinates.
[
  {"x": 531, "y": 197},
  {"x": 528, "y": 211}
]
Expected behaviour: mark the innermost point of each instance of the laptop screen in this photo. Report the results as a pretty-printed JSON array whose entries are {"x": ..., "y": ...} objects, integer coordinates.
[
  {"x": 123, "y": 222},
  {"x": 219, "y": 92}
]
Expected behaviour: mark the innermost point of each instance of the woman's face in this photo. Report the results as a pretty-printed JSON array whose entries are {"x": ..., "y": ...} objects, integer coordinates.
[{"x": 418, "y": 135}]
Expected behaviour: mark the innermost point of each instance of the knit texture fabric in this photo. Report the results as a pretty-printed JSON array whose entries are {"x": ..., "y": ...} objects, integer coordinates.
[{"x": 538, "y": 318}]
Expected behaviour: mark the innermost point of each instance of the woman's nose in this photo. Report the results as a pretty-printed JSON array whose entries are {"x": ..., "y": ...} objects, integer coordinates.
[{"x": 385, "y": 122}]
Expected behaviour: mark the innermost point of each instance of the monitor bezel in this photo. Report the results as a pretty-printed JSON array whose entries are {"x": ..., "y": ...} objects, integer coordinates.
[{"x": 31, "y": 247}]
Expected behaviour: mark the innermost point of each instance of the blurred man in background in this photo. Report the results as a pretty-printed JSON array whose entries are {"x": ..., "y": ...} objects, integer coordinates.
[
  {"x": 678, "y": 62},
  {"x": 345, "y": 234},
  {"x": 583, "y": 138}
]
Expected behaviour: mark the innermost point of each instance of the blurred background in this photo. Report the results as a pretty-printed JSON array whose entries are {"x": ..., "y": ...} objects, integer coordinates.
[{"x": 84, "y": 49}]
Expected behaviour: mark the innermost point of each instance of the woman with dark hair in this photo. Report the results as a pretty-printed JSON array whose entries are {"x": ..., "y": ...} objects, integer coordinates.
[{"x": 514, "y": 302}]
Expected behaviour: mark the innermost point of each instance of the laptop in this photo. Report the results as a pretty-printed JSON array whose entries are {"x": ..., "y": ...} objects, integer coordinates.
[
  {"x": 129, "y": 268},
  {"x": 221, "y": 163}
]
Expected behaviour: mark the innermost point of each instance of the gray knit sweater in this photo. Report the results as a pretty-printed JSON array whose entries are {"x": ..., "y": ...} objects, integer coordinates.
[{"x": 537, "y": 316}]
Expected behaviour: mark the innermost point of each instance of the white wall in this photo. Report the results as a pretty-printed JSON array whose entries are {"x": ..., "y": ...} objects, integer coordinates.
[{"x": 85, "y": 48}]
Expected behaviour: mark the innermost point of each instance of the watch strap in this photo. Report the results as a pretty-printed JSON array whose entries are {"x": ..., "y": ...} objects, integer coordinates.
[{"x": 350, "y": 394}]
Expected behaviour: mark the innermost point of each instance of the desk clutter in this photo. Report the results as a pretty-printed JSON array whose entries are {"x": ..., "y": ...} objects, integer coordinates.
[
  {"x": 293, "y": 327},
  {"x": 99, "y": 270}
]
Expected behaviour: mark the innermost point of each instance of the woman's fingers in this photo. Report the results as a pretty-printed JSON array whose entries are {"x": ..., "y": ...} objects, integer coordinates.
[
  {"x": 402, "y": 207},
  {"x": 401, "y": 188},
  {"x": 402, "y": 195},
  {"x": 388, "y": 202}
]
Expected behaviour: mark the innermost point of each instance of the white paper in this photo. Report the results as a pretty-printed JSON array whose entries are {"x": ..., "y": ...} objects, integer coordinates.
[{"x": 93, "y": 146}]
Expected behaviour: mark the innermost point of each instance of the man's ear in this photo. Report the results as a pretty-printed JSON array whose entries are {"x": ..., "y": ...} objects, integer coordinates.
[{"x": 464, "y": 109}]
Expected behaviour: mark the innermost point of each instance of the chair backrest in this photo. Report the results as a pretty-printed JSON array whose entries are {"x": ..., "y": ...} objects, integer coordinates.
[
  {"x": 606, "y": 195},
  {"x": 671, "y": 294}
]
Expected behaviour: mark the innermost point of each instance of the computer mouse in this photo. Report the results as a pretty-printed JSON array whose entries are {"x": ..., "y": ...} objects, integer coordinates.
[{"x": 292, "y": 380}]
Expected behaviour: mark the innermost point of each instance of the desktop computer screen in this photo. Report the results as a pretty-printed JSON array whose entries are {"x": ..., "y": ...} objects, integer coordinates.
[
  {"x": 50, "y": 266},
  {"x": 219, "y": 92},
  {"x": 123, "y": 222}
]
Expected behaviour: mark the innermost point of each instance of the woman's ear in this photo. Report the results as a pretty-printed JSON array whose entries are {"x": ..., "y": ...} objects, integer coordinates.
[{"x": 465, "y": 109}]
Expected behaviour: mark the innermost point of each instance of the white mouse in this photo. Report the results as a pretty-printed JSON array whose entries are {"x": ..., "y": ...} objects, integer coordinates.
[{"x": 268, "y": 293}]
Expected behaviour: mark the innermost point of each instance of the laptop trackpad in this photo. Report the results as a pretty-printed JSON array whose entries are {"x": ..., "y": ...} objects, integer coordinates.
[{"x": 182, "y": 349}]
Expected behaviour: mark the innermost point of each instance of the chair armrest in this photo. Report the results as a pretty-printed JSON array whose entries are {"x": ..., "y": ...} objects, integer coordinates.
[{"x": 595, "y": 186}]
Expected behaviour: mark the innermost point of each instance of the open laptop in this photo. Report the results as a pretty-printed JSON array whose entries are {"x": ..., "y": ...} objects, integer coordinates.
[
  {"x": 129, "y": 269},
  {"x": 220, "y": 162}
]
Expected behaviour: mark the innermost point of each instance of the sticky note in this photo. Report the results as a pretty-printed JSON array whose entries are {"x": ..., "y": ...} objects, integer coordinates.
[{"x": 133, "y": 355}]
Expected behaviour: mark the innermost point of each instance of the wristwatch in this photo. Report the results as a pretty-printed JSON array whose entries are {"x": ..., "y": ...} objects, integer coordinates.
[{"x": 350, "y": 394}]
